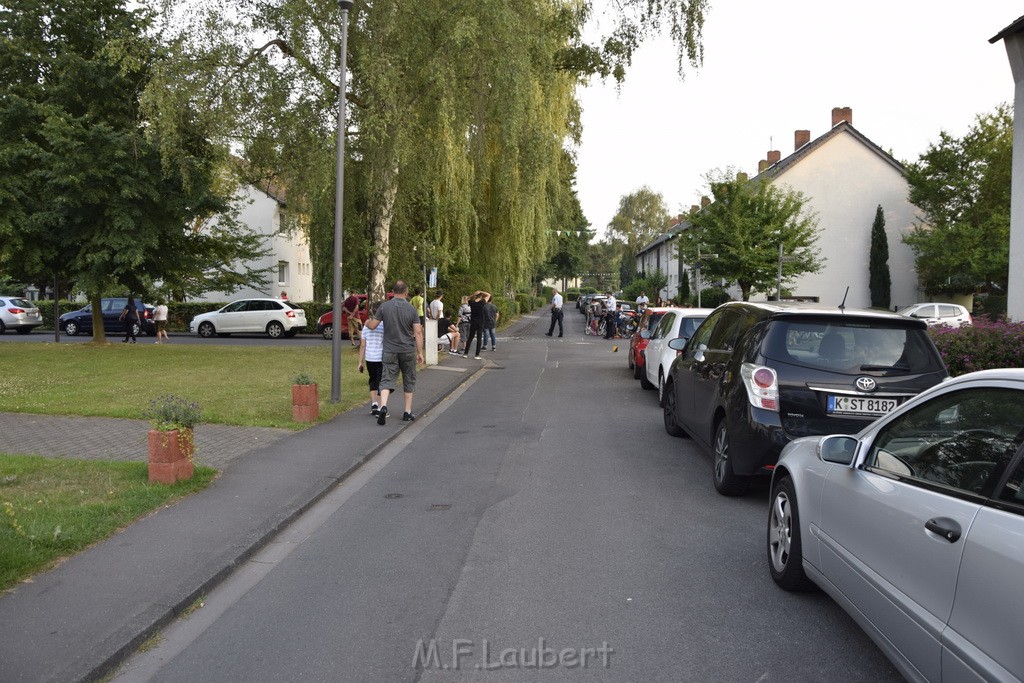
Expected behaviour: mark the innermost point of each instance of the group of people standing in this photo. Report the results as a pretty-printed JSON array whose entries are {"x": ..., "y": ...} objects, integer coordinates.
[{"x": 392, "y": 340}]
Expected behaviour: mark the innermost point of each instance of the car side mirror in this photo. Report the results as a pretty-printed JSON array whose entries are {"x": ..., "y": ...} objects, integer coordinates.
[
  {"x": 839, "y": 449},
  {"x": 679, "y": 343},
  {"x": 645, "y": 334}
]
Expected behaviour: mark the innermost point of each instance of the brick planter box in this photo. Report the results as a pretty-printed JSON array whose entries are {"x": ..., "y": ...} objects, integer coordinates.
[
  {"x": 170, "y": 455},
  {"x": 305, "y": 403}
]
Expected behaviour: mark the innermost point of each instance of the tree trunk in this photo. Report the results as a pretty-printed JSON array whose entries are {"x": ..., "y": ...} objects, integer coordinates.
[
  {"x": 381, "y": 214},
  {"x": 98, "y": 333}
]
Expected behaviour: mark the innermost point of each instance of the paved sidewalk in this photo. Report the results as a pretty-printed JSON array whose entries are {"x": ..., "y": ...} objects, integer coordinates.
[
  {"x": 104, "y": 438},
  {"x": 80, "y": 620}
]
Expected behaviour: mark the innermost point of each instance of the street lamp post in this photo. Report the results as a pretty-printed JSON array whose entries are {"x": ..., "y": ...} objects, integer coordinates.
[{"x": 339, "y": 210}]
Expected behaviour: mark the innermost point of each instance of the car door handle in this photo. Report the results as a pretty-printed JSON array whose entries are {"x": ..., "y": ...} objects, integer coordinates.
[{"x": 945, "y": 527}]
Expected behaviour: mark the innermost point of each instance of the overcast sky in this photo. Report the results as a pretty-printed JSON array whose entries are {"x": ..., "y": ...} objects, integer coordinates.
[{"x": 908, "y": 69}]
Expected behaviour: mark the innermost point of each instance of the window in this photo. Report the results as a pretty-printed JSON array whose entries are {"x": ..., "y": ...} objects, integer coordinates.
[
  {"x": 1013, "y": 492},
  {"x": 664, "y": 326},
  {"x": 282, "y": 272},
  {"x": 727, "y": 331},
  {"x": 703, "y": 334},
  {"x": 235, "y": 307},
  {"x": 962, "y": 440},
  {"x": 851, "y": 347},
  {"x": 948, "y": 311}
]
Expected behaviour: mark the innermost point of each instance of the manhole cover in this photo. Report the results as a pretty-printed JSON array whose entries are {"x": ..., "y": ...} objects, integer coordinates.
[
  {"x": 440, "y": 506},
  {"x": 392, "y": 496}
]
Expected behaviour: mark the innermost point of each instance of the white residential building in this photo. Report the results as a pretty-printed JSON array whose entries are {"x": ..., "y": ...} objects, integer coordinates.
[
  {"x": 844, "y": 177},
  {"x": 291, "y": 273}
]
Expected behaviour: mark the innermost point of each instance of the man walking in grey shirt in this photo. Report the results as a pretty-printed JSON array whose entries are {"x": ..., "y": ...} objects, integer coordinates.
[{"x": 403, "y": 348}]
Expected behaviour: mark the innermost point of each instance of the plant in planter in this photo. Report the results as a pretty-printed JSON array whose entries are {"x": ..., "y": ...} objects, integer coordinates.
[
  {"x": 305, "y": 399},
  {"x": 172, "y": 441}
]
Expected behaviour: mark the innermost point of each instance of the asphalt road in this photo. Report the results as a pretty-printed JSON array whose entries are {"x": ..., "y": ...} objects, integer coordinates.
[{"x": 541, "y": 516}]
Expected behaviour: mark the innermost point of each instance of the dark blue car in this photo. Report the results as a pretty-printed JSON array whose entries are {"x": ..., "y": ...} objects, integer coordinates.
[{"x": 80, "y": 321}]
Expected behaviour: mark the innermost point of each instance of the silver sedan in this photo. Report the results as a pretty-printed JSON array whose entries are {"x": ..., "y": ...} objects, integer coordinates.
[{"x": 915, "y": 526}]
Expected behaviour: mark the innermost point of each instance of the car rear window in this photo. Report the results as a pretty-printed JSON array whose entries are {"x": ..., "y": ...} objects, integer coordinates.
[
  {"x": 21, "y": 303},
  {"x": 292, "y": 306},
  {"x": 653, "y": 319},
  {"x": 852, "y": 346}
]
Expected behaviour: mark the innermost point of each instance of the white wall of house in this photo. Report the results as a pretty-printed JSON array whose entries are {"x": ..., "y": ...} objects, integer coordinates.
[
  {"x": 288, "y": 259},
  {"x": 845, "y": 181}
]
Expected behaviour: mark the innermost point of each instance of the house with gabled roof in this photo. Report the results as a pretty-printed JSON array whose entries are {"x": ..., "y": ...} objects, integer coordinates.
[{"x": 844, "y": 176}]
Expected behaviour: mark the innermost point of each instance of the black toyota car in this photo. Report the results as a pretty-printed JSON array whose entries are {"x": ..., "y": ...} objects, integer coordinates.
[
  {"x": 80, "y": 321},
  {"x": 756, "y": 375}
]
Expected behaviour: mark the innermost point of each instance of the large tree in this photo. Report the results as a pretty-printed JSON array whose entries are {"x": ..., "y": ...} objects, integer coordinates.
[
  {"x": 88, "y": 190},
  {"x": 962, "y": 187},
  {"x": 743, "y": 226},
  {"x": 459, "y": 113},
  {"x": 642, "y": 216}
]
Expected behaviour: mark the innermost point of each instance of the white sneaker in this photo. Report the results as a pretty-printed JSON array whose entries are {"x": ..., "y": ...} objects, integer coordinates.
[{"x": 477, "y": 358}]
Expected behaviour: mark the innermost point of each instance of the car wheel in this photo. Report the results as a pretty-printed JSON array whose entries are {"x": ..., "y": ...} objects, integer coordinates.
[
  {"x": 21, "y": 330},
  {"x": 136, "y": 329},
  {"x": 668, "y": 407},
  {"x": 206, "y": 330},
  {"x": 3, "y": 328},
  {"x": 726, "y": 481},
  {"x": 638, "y": 371},
  {"x": 327, "y": 332},
  {"x": 71, "y": 328},
  {"x": 629, "y": 360},
  {"x": 275, "y": 330},
  {"x": 661, "y": 388},
  {"x": 785, "y": 555}
]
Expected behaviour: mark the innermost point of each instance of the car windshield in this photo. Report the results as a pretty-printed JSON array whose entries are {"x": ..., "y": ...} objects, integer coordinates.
[
  {"x": 906, "y": 311},
  {"x": 852, "y": 346}
]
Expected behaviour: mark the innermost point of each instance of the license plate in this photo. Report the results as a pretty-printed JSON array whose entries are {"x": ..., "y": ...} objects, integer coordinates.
[{"x": 857, "y": 405}]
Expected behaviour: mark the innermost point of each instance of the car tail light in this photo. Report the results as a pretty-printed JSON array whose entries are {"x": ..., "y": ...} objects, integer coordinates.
[
  {"x": 16, "y": 311},
  {"x": 762, "y": 386},
  {"x": 290, "y": 313}
]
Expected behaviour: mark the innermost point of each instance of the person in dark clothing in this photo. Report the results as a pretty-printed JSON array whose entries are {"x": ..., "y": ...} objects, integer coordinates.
[
  {"x": 477, "y": 304},
  {"x": 130, "y": 317},
  {"x": 491, "y": 316},
  {"x": 556, "y": 313}
]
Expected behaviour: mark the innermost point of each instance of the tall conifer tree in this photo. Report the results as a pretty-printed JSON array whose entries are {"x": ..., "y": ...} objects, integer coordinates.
[{"x": 880, "y": 282}]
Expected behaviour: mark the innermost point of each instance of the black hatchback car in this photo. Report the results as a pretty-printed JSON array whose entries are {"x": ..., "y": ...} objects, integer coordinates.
[
  {"x": 80, "y": 321},
  {"x": 756, "y": 375}
]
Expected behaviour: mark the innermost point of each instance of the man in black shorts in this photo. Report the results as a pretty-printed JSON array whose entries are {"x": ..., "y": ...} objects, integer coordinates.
[{"x": 403, "y": 348}]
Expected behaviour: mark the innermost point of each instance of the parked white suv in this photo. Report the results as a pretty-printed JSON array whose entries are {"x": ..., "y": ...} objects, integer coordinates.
[
  {"x": 936, "y": 314},
  {"x": 274, "y": 317}
]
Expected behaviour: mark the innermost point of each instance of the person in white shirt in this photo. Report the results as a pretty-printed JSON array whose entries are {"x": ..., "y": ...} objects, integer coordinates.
[
  {"x": 642, "y": 302},
  {"x": 609, "y": 316},
  {"x": 556, "y": 313},
  {"x": 160, "y": 318},
  {"x": 436, "y": 309}
]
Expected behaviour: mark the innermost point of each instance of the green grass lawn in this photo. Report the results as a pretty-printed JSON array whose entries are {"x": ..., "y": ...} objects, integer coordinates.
[
  {"x": 53, "y": 508},
  {"x": 234, "y": 385}
]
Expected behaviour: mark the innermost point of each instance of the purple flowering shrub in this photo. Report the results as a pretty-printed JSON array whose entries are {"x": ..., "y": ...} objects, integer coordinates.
[{"x": 984, "y": 346}]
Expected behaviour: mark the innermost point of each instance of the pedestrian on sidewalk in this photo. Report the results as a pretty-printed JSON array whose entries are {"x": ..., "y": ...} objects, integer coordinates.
[
  {"x": 448, "y": 333},
  {"x": 402, "y": 348},
  {"x": 435, "y": 311},
  {"x": 477, "y": 302},
  {"x": 556, "y": 313},
  {"x": 464, "y": 315},
  {"x": 371, "y": 354},
  {"x": 491, "y": 316},
  {"x": 417, "y": 302}
]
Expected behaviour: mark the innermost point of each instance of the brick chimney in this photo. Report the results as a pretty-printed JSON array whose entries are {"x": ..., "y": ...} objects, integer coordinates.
[
  {"x": 741, "y": 177},
  {"x": 840, "y": 114},
  {"x": 762, "y": 165},
  {"x": 801, "y": 138},
  {"x": 694, "y": 209},
  {"x": 774, "y": 156},
  {"x": 704, "y": 201}
]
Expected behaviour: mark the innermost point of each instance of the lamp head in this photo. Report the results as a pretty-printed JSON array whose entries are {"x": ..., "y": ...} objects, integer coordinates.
[{"x": 345, "y": 5}]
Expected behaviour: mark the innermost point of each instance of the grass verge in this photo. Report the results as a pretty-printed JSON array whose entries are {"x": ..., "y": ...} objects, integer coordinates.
[
  {"x": 235, "y": 385},
  {"x": 51, "y": 509}
]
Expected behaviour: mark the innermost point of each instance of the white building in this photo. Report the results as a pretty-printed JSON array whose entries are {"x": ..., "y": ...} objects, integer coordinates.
[
  {"x": 844, "y": 177},
  {"x": 291, "y": 273}
]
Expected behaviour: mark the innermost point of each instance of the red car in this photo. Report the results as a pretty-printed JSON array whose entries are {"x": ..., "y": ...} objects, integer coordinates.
[
  {"x": 635, "y": 358},
  {"x": 325, "y": 323}
]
